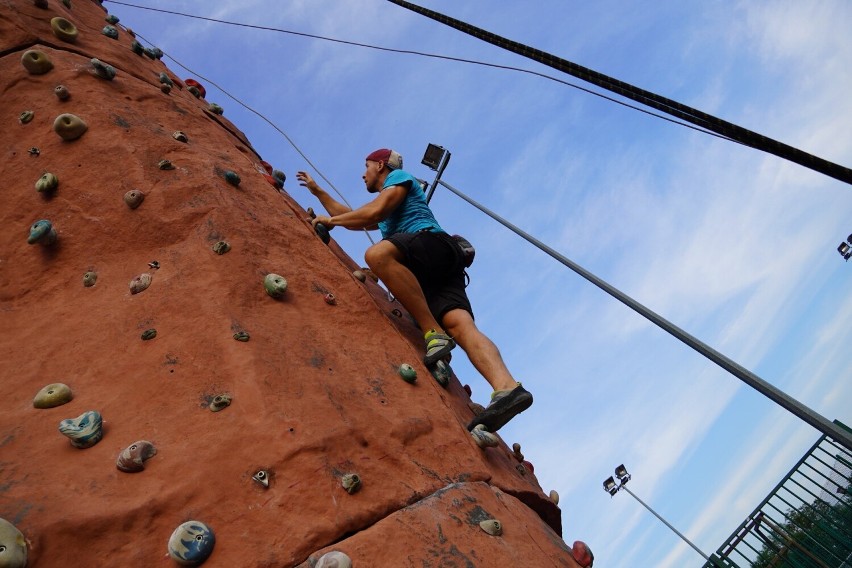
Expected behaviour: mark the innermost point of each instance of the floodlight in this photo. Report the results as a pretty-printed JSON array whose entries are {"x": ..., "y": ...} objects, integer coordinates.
[
  {"x": 433, "y": 156},
  {"x": 845, "y": 250},
  {"x": 609, "y": 486}
]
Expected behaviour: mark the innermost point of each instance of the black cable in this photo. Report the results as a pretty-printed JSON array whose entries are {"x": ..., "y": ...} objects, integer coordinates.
[
  {"x": 668, "y": 106},
  {"x": 434, "y": 56}
]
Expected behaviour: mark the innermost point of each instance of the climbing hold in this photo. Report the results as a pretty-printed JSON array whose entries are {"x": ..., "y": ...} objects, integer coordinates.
[
  {"x": 408, "y": 374},
  {"x": 262, "y": 477},
  {"x": 84, "y": 431},
  {"x": 137, "y": 48},
  {"x": 67, "y": 3},
  {"x": 34, "y": 151},
  {"x": 220, "y": 401},
  {"x": 554, "y": 496},
  {"x": 484, "y": 438},
  {"x": 165, "y": 165},
  {"x": 62, "y": 93},
  {"x": 111, "y": 19},
  {"x": 166, "y": 89},
  {"x": 149, "y": 334},
  {"x": 330, "y": 299},
  {"x": 396, "y": 312},
  {"x": 69, "y": 126},
  {"x": 215, "y": 109},
  {"x": 468, "y": 390},
  {"x": 476, "y": 408},
  {"x": 322, "y": 231},
  {"x": 110, "y": 31},
  {"x": 441, "y": 373},
  {"x": 194, "y": 91},
  {"x": 89, "y": 279},
  {"x": 63, "y": 29},
  {"x": 221, "y": 247},
  {"x": 154, "y": 264},
  {"x": 275, "y": 285},
  {"x": 150, "y": 53},
  {"x": 165, "y": 79},
  {"x": 334, "y": 559},
  {"x": 13, "y": 546},
  {"x": 370, "y": 274},
  {"x": 279, "y": 176},
  {"x": 40, "y": 4},
  {"x": 516, "y": 452},
  {"x": 582, "y": 554},
  {"x": 47, "y": 183},
  {"x": 42, "y": 232},
  {"x": 242, "y": 336},
  {"x": 140, "y": 283},
  {"x": 52, "y": 395},
  {"x": 529, "y": 466},
  {"x": 132, "y": 458},
  {"x": 359, "y": 275},
  {"x": 26, "y": 116},
  {"x": 130, "y": 32},
  {"x": 351, "y": 483},
  {"x": 232, "y": 178},
  {"x": 191, "y": 543},
  {"x": 103, "y": 70},
  {"x": 492, "y": 527},
  {"x": 521, "y": 469},
  {"x": 134, "y": 198},
  {"x": 36, "y": 62},
  {"x": 180, "y": 136},
  {"x": 198, "y": 87}
]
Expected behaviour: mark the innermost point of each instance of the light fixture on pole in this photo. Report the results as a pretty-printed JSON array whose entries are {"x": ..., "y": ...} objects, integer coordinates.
[
  {"x": 436, "y": 158},
  {"x": 611, "y": 487}
]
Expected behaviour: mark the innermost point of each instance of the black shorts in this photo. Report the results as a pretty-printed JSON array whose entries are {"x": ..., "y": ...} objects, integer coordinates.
[{"x": 437, "y": 262}]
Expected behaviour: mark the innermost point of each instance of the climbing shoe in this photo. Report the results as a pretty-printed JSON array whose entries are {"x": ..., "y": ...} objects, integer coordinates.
[
  {"x": 438, "y": 346},
  {"x": 504, "y": 406}
]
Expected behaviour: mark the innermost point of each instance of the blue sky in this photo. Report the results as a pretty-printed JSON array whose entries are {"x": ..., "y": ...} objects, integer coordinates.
[{"x": 735, "y": 246}]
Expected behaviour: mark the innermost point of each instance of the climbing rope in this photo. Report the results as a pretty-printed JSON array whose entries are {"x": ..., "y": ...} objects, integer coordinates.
[
  {"x": 779, "y": 397},
  {"x": 668, "y": 106}
]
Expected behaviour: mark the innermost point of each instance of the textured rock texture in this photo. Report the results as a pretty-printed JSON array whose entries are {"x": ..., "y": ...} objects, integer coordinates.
[{"x": 316, "y": 393}]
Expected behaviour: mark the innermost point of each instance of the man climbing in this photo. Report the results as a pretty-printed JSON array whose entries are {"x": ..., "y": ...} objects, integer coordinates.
[{"x": 423, "y": 267}]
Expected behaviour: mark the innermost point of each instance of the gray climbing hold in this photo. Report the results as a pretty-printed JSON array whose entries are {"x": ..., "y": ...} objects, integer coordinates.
[
  {"x": 262, "y": 477},
  {"x": 322, "y": 231},
  {"x": 194, "y": 91},
  {"x": 110, "y": 31},
  {"x": 516, "y": 452},
  {"x": 191, "y": 543},
  {"x": 330, "y": 299},
  {"x": 132, "y": 458},
  {"x": 137, "y": 48},
  {"x": 165, "y": 165},
  {"x": 47, "y": 183},
  {"x": 140, "y": 283},
  {"x": 36, "y": 62},
  {"x": 134, "y": 198},
  {"x": 41, "y": 4},
  {"x": 84, "y": 431},
  {"x": 232, "y": 178},
  {"x": 408, "y": 374},
  {"x": 275, "y": 285},
  {"x": 89, "y": 279},
  {"x": 554, "y": 496},
  {"x": 359, "y": 275},
  {"x": 51, "y": 396},
  {"x": 26, "y": 116},
  {"x": 334, "y": 559},
  {"x": 149, "y": 334},
  {"x": 220, "y": 402},
  {"x": 242, "y": 336},
  {"x": 62, "y": 93},
  {"x": 484, "y": 438},
  {"x": 69, "y": 126},
  {"x": 13, "y": 546},
  {"x": 34, "y": 151},
  {"x": 103, "y": 70},
  {"x": 221, "y": 247},
  {"x": 111, "y": 19},
  {"x": 42, "y": 232},
  {"x": 165, "y": 79},
  {"x": 492, "y": 527},
  {"x": 441, "y": 373},
  {"x": 215, "y": 109},
  {"x": 351, "y": 483},
  {"x": 180, "y": 136}
]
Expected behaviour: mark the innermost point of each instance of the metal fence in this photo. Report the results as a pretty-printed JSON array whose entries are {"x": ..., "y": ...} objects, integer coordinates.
[{"x": 805, "y": 522}]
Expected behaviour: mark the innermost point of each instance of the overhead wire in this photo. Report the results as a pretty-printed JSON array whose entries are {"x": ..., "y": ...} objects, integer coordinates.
[{"x": 433, "y": 56}]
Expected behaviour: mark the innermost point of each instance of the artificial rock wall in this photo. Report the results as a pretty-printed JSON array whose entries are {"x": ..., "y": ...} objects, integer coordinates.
[{"x": 315, "y": 391}]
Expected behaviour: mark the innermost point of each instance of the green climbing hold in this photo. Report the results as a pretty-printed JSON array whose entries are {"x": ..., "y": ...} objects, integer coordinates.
[
  {"x": 149, "y": 334},
  {"x": 242, "y": 336},
  {"x": 137, "y": 47},
  {"x": 36, "y": 62},
  {"x": 215, "y": 109},
  {"x": 63, "y": 29},
  {"x": 47, "y": 183},
  {"x": 165, "y": 79},
  {"x": 232, "y": 178},
  {"x": 111, "y": 19},
  {"x": 221, "y": 247},
  {"x": 110, "y": 31},
  {"x": 351, "y": 483},
  {"x": 90, "y": 278},
  {"x": 26, "y": 116},
  {"x": 195, "y": 92},
  {"x": 69, "y": 126},
  {"x": 103, "y": 70},
  {"x": 275, "y": 285},
  {"x": 408, "y": 374},
  {"x": 220, "y": 401}
]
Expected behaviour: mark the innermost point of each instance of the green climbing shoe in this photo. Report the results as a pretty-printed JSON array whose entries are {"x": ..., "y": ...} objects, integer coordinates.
[{"x": 438, "y": 346}]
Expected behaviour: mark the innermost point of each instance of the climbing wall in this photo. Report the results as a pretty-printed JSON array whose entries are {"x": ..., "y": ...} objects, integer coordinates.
[{"x": 138, "y": 233}]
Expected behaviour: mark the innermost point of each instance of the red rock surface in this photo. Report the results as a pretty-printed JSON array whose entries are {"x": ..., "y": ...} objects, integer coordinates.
[{"x": 316, "y": 392}]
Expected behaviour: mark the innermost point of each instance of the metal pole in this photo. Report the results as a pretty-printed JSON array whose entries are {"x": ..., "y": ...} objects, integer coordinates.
[
  {"x": 445, "y": 159},
  {"x": 665, "y": 522},
  {"x": 782, "y": 399}
]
